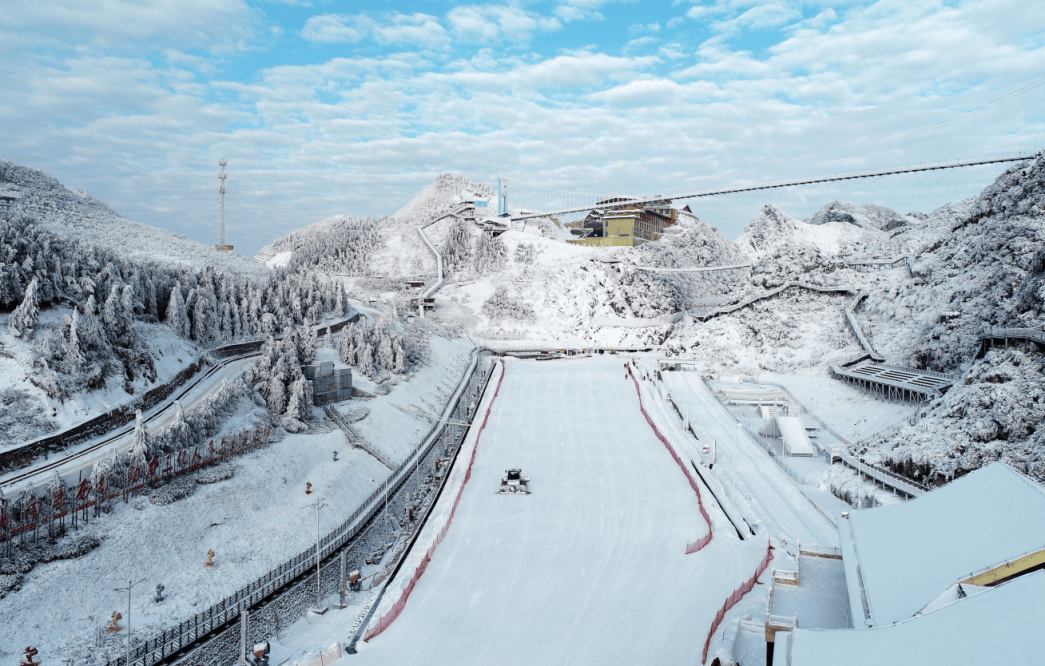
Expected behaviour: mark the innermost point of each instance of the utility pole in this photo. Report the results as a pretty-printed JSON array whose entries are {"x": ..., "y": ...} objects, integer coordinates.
[
  {"x": 130, "y": 586},
  {"x": 221, "y": 246}
]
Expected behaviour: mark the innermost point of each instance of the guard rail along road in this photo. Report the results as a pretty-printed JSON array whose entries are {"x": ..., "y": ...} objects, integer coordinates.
[{"x": 123, "y": 416}]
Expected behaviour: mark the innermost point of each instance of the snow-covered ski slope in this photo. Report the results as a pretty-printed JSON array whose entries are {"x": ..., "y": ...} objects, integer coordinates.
[
  {"x": 590, "y": 568},
  {"x": 764, "y": 492}
]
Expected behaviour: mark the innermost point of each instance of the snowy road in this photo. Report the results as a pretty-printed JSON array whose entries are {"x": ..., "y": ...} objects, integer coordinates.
[
  {"x": 590, "y": 568},
  {"x": 157, "y": 419},
  {"x": 773, "y": 496}
]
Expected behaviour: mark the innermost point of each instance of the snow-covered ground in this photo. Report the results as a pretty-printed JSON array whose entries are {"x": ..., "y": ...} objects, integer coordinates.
[
  {"x": 254, "y": 521},
  {"x": 589, "y": 569}
]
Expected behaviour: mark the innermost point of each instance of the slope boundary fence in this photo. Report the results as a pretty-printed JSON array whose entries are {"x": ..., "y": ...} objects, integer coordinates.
[
  {"x": 732, "y": 599},
  {"x": 396, "y": 610},
  {"x": 173, "y": 643},
  {"x": 702, "y": 542}
]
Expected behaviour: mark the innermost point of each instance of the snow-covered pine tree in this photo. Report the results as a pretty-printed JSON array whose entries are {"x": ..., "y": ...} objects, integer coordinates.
[
  {"x": 92, "y": 336},
  {"x": 24, "y": 318},
  {"x": 176, "y": 318},
  {"x": 71, "y": 350},
  {"x": 178, "y": 435},
  {"x": 385, "y": 357},
  {"x": 298, "y": 407},
  {"x": 339, "y": 298},
  {"x": 366, "y": 360},
  {"x": 141, "y": 450},
  {"x": 307, "y": 345},
  {"x": 398, "y": 356},
  {"x": 127, "y": 304},
  {"x": 112, "y": 317}
]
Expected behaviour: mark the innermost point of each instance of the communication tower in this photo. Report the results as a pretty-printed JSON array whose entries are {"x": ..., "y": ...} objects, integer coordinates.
[{"x": 221, "y": 246}]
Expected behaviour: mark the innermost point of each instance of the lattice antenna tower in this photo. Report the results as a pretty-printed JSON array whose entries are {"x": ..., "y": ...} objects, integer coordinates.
[{"x": 221, "y": 246}]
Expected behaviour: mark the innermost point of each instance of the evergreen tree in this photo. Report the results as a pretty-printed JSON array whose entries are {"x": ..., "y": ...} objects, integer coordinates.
[
  {"x": 71, "y": 350},
  {"x": 298, "y": 407},
  {"x": 398, "y": 356},
  {"x": 91, "y": 334},
  {"x": 177, "y": 319},
  {"x": 385, "y": 356},
  {"x": 179, "y": 434},
  {"x": 366, "y": 360},
  {"x": 25, "y": 316},
  {"x": 141, "y": 450}
]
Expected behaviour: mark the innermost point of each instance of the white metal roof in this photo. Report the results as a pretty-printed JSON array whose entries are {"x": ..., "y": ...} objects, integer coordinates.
[
  {"x": 910, "y": 553},
  {"x": 1001, "y": 625}
]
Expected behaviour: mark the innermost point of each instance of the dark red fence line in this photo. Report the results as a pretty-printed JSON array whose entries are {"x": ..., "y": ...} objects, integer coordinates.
[
  {"x": 388, "y": 618},
  {"x": 732, "y": 599},
  {"x": 700, "y": 543},
  {"x": 86, "y": 494}
]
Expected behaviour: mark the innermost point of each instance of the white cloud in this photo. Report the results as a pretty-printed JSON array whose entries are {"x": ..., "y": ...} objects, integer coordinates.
[
  {"x": 176, "y": 22},
  {"x": 489, "y": 23},
  {"x": 363, "y": 134},
  {"x": 335, "y": 28},
  {"x": 391, "y": 29}
]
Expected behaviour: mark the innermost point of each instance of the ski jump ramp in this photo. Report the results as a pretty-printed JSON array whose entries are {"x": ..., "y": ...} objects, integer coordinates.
[
  {"x": 796, "y": 440},
  {"x": 588, "y": 569}
]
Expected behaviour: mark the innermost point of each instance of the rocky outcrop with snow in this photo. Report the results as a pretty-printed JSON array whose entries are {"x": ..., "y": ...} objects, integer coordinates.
[
  {"x": 995, "y": 413},
  {"x": 867, "y": 216}
]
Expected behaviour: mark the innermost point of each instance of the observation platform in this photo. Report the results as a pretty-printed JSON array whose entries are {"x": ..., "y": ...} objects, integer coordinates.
[{"x": 894, "y": 382}]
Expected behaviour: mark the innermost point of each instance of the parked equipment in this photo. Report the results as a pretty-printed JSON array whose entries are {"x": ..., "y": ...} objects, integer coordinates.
[{"x": 514, "y": 484}]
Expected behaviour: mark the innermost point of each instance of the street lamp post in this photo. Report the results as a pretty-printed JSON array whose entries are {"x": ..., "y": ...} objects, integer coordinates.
[
  {"x": 319, "y": 594},
  {"x": 130, "y": 586},
  {"x": 736, "y": 443}
]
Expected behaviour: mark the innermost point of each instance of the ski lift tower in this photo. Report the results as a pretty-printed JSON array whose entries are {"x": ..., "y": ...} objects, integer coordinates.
[{"x": 221, "y": 246}]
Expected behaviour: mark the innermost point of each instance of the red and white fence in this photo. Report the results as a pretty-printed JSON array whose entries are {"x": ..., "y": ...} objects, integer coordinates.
[
  {"x": 388, "y": 618},
  {"x": 706, "y": 539},
  {"x": 732, "y": 599}
]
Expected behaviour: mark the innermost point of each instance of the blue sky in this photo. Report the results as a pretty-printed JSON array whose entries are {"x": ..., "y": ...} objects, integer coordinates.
[{"x": 331, "y": 107}]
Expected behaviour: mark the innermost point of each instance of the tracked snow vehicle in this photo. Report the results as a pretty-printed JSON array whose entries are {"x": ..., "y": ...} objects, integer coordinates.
[{"x": 514, "y": 483}]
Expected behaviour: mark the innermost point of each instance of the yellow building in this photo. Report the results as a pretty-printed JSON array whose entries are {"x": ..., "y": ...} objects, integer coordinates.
[{"x": 626, "y": 227}]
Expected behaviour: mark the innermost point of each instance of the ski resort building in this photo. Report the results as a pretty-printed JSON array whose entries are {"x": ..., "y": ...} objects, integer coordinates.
[
  {"x": 950, "y": 577},
  {"x": 627, "y": 225},
  {"x": 7, "y": 199}
]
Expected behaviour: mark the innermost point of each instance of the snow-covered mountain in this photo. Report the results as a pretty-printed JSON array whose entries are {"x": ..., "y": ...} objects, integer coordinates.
[{"x": 76, "y": 214}]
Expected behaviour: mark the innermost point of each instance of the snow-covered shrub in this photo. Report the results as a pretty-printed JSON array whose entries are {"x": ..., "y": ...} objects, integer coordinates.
[
  {"x": 501, "y": 306},
  {"x": 491, "y": 254},
  {"x": 525, "y": 253},
  {"x": 345, "y": 245},
  {"x": 994, "y": 414},
  {"x": 457, "y": 249},
  {"x": 370, "y": 348}
]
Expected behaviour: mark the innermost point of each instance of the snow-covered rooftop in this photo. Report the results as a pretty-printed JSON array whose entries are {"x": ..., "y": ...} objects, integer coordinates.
[
  {"x": 910, "y": 553},
  {"x": 998, "y": 626}
]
